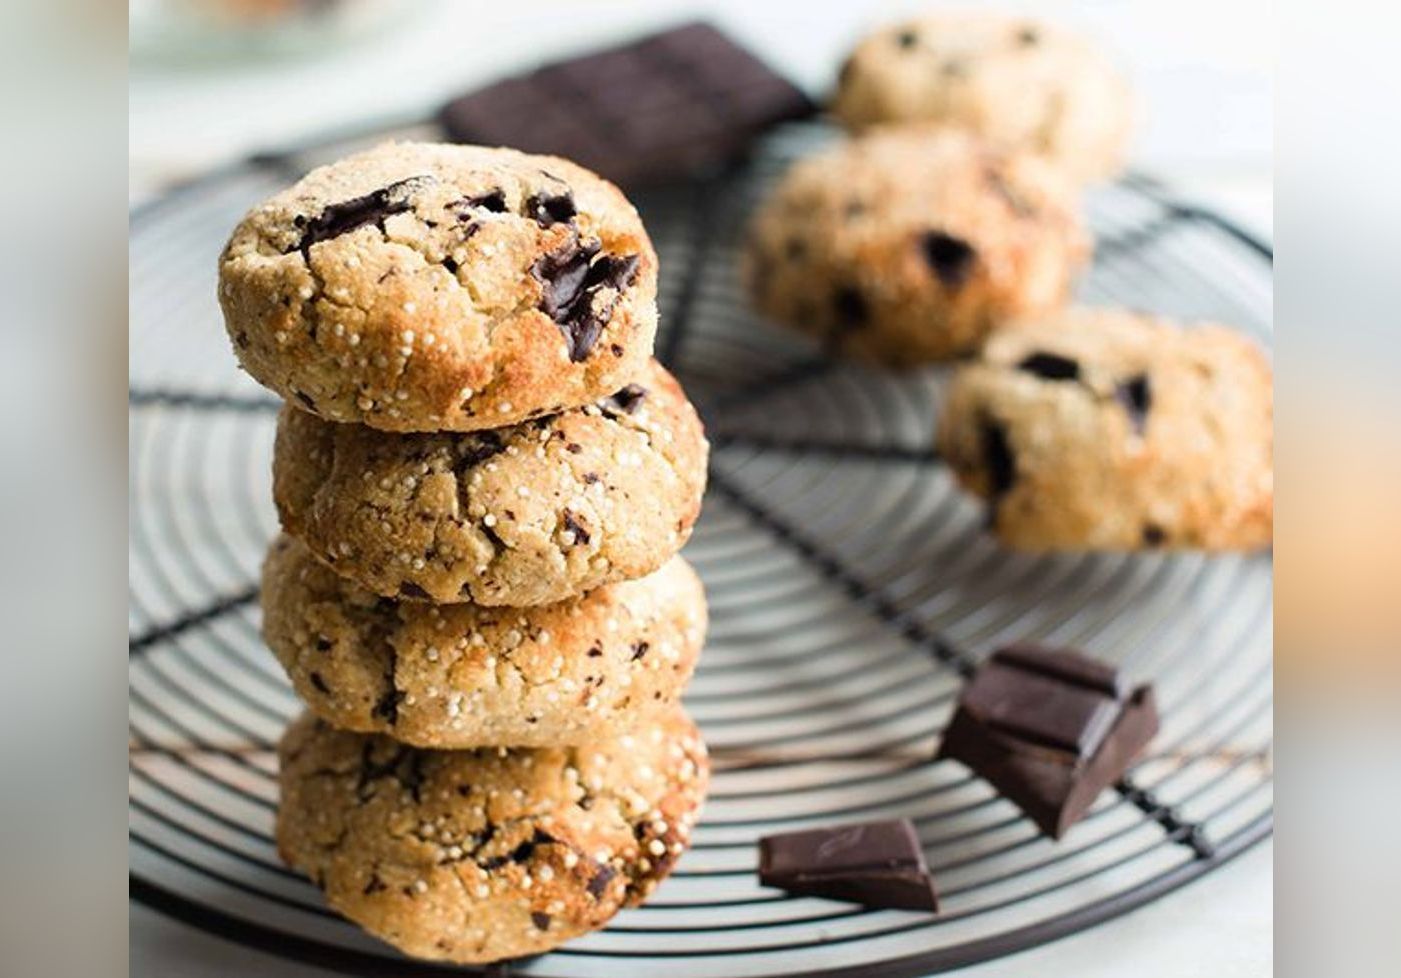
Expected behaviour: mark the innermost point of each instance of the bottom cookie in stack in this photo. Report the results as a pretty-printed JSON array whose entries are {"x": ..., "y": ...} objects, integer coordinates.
[{"x": 475, "y": 856}]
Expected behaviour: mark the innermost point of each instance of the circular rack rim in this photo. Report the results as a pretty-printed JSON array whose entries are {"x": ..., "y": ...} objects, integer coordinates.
[{"x": 215, "y": 920}]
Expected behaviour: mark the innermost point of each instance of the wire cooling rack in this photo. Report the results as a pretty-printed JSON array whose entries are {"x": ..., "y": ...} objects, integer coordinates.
[{"x": 850, "y": 590}]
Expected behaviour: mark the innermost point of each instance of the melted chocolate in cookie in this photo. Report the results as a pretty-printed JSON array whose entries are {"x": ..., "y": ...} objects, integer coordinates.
[
  {"x": 626, "y": 400},
  {"x": 570, "y": 278},
  {"x": 1050, "y": 366},
  {"x": 950, "y": 258},
  {"x": 997, "y": 453},
  {"x": 550, "y": 209},
  {"x": 344, "y": 217},
  {"x": 1136, "y": 395}
]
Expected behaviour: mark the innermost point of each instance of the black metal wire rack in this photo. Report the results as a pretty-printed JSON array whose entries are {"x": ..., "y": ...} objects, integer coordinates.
[{"x": 850, "y": 588}]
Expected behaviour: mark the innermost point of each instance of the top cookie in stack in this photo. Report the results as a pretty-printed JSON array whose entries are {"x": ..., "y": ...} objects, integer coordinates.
[{"x": 420, "y": 287}]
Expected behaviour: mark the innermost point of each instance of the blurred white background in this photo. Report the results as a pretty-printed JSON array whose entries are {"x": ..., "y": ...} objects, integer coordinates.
[{"x": 1203, "y": 71}]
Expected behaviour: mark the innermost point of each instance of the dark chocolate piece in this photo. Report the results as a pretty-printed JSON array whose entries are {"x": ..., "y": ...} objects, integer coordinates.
[
  {"x": 877, "y": 864},
  {"x": 1049, "y": 729},
  {"x": 674, "y": 104}
]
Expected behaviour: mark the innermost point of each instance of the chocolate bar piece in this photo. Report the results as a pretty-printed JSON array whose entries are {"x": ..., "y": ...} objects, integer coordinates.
[
  {"x": 674, "y": 104},
  {"x": 878, "y": 864},
  {"x": 1049, "y": 729}
]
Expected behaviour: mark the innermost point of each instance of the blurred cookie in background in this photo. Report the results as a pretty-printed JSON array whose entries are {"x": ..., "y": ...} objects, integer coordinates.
[
  {"x": 1102, "y": 429},
  {"x": 909, "y": 245},
  {"x": 1017, "y": 83}
]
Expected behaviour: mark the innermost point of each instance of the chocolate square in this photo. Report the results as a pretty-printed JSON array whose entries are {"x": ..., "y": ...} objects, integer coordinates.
[
  {"x": 1049, "y": 729},
  {"x": 877, "y": 864},
  {"x": 675, "y": 104}
]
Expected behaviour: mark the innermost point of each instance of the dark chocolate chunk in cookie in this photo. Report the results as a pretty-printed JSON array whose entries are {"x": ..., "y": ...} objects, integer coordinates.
[
  {"x": 477, "y": 448},
  {"x": 1136, "y": 396},
  {"x": 625, "y": 400},
  {"x": 851, "y": 307},
  {"x": 548, "y": 209},
  {"x": 344, "y": 217},
  {"x": 997, "y": 456},
  {"x": 572, "y": 525},
  {"x": 563, "y": 275},
  {"x": 1050, "y": 366},
  {"x": 950, "y": 258},
  {"x": 599, "y": 884},
  {"x": 906, "y": 39},
  {"x": 493, "y": 201},
  {"x": 569, "y": 279}
]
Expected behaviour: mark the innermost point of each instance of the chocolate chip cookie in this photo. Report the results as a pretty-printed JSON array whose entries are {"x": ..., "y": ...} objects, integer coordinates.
[
  {"x": 1110, "y": 430},
  {"x": 475, "y": 856},
  {"x": 909, "y": 245},
  {"x": 1014, "y": 82},
  {"x": 460, "y": 675},
  {"x": 525, "y": 515},
  {"x": 421, "y": 287}
]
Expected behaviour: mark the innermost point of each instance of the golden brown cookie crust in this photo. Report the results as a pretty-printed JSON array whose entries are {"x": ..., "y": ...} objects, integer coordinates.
[
  {"x": 425, "y": 287},
  {"x": 457, "y": 676},
  {"x": 907, "y": 246},
  {"x": 1101, "y": 429},
  {"x": 520, "y": 516},
  {"x": 1016, "y": 83},
  {"x": 475, "y": 856}
]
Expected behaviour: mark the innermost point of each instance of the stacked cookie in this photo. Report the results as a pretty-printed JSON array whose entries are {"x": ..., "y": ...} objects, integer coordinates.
[{"x": 484, "y": 480}]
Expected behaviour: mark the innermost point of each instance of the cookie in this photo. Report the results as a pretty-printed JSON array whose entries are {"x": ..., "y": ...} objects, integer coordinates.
[
  {"x": 460, "y": 675},
  {"x": 1016, "y": 83},
  {"x": 526, "y": 515},
  {"x": 907, "y": 246},
  {"x": 1100, "y": 429},
  {"x": 475, "y": 856},
  {"x": 421, "y": 287}
]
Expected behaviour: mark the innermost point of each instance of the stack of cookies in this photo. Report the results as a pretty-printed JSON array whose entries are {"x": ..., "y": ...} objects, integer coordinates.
[{"x": 484, "y": 480}]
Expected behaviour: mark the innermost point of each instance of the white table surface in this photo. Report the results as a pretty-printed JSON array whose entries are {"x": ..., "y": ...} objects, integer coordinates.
[{"x": 1203, "y": 72}]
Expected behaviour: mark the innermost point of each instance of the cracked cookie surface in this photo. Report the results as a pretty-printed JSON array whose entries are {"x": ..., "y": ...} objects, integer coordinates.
[
  {"x": 475, "y": 856},
  {"x": 1102, "y": 429},
  {"x": 461, "y": 675},
  {"x": 909, "y": 246},
  {"x": 526, "y": 515},
  {"x": 424, "y": 287},
  {"x": 1016, "y": 83}
]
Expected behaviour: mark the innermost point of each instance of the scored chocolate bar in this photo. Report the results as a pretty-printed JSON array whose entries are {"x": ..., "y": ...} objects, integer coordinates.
[
  {"x": 674, "y": 104},
  {"x": 1049, "y": 729},
  {"x": 878, "y": 864}
]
